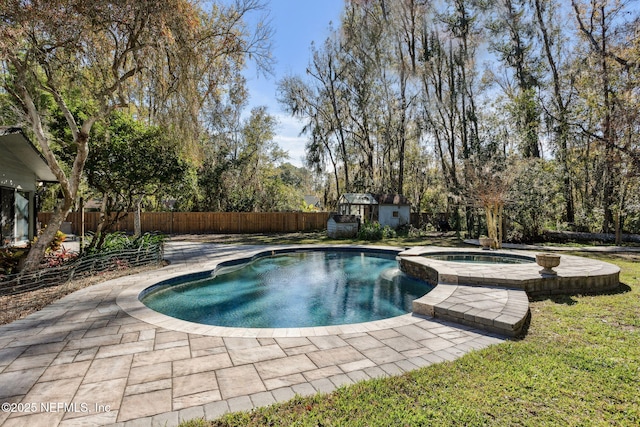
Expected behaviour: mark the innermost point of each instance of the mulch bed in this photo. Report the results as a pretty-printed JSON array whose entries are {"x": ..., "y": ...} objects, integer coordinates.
[{"x": 14, "y": 307}]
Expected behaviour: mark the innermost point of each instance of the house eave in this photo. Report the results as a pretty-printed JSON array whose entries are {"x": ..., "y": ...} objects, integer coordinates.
[{"x": 19, "y": 146}]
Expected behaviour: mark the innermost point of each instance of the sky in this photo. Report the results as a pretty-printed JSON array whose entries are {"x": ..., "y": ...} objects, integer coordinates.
[{"x": 296, "y": 24}]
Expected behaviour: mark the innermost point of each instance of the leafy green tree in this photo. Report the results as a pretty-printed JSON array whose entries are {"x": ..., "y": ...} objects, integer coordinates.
[
  {"x": 512, "y": 31},
  {"x": 239, "y": 172},
  {"x": 534, "y": 199},
  {"x": 608, "y": 77},
  {"x": 108, "y": 51},
  {"x": 128, "y": 162}
]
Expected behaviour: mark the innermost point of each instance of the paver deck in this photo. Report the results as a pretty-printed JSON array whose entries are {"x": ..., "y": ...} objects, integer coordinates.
[{"x": 83, "y": 360}]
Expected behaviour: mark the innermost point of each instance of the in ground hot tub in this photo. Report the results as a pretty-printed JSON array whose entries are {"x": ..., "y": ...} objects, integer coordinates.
[{"x": 480, "y": 258}]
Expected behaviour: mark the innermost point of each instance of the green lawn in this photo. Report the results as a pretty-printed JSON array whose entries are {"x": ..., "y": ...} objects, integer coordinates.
[
  {"x": 319, "y": 238},
  {"x": 579, "y": 364}
]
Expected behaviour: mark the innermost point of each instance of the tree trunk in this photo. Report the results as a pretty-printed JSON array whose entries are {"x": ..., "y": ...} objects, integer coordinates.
[
  {"x": 493, "y": 212},
  {"x": 97, "y": 239},
  {"x": 609, "y": 186},
  {"x": 69, "y": 186},
  {"x": 137, "y": 227},
  {"x": 562, "y": 132},
  {"x": 38, "y": 250}
]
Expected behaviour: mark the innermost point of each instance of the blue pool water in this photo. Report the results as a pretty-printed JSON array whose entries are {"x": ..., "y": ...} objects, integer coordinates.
[{"x": 303, "y": 289}]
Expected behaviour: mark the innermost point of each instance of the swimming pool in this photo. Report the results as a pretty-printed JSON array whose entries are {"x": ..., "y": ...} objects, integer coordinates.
[{"x": 291, "y": 289}]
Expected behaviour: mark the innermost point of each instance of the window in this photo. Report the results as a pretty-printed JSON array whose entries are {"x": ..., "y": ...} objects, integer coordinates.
[
  {"x": 14, "y": 216},
  {"x": 22, "y": 216},
  {"x": 7, "y": 215},
  {"x": 396, "y": 214}
]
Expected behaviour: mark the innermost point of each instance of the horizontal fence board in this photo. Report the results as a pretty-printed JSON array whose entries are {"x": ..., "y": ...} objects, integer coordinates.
[{"x": 204, "y": 222}]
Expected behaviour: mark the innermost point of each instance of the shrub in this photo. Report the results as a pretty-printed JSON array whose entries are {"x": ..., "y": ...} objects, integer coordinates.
[
  {"x": 58, "y": 258},
  {"x": 119, "y": 241},
  {"x": 55, "y": 244},
  {"x": 388, "y": 232},
  {"x": 10, "y": 260},
  {"x": 534, "y": 201},
  {"x": 373, "y": 231}
]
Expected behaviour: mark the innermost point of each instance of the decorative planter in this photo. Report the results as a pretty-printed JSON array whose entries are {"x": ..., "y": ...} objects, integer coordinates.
[
  {"x": 548, "y": 262},
  {"x": 486, "y": 242}
]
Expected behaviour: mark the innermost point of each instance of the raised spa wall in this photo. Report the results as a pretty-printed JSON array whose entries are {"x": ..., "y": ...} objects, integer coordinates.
[{"x": 574, "y": 274}]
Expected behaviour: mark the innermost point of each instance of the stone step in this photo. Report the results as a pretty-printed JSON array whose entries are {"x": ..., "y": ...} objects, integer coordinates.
[{"x": 494, "y": 309}]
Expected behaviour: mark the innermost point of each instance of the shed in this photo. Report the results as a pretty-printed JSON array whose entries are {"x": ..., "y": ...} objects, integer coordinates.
[
  {"x": 394, "y": 210},
  {"x": 22, "y": 167},
  {"x": 342, "y": 226},
  {"x": 363, "y": 205}
]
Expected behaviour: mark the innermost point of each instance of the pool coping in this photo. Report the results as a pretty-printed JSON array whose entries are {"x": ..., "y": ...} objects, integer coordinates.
[{"x": 574, "y": 274}]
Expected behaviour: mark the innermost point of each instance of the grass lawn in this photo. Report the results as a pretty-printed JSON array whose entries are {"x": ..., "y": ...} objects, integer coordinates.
[
  {"x": 319, "y": 238},
  {"x": 579, "y": 364}
]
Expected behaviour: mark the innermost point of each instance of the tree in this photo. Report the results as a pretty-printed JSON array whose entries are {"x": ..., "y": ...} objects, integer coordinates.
[
  {"x": 546, "y": 12},
  {"x": 239, "y": 173},
  {"x": 489, "y": 187},
  {"x": 362, "y": 47},
  {"x": 604, "y": 86},
  {"x": 105, "y": 50},
  {"x": 533, "y": 198},
  {"x": 512, "y": 32},
  {"x": 403, "y": 20},
  {"x": 322, "y": 102},
  {"x": 448, "y": 72},
  {"x": 128, "y": 162}
]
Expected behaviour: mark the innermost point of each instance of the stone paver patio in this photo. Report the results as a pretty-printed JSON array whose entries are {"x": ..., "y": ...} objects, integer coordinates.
[{"x": 83, "y": 360}]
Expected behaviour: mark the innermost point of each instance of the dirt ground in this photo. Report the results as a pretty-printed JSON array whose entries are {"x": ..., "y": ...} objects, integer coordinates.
[{"x": 14, "y": 307}]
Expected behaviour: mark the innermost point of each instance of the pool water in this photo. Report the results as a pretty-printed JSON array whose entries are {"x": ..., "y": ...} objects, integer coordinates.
[{"x": 303, "y": 289}]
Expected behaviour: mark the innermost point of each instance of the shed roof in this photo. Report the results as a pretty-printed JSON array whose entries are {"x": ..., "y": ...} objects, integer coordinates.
[
  {"x": 392, "y": 199},
  {"x": 15, "y": 145},
  {"x": 358, "y": 199}
]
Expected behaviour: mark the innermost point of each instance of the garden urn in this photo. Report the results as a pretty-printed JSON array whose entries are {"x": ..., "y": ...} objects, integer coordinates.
[{"x": 548, "y": 262}]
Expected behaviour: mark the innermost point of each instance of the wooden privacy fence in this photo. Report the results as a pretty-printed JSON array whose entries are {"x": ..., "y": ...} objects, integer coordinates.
[{"x": 205, "y": 222}]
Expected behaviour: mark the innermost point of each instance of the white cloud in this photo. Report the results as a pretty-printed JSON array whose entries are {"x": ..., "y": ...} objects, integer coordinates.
[{"x": 289, "y": 139}]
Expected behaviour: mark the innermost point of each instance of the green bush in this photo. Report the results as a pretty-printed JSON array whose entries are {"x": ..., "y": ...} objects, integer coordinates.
[
  {"x": 10, "y": 260},
  {"x": 55, "y": 244},
  {"x": 119, "y": 241},
  {"x": 534, "y": 201},
  {"x": 372, "y": 231},
  {"x": 388, "y": 232}
]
